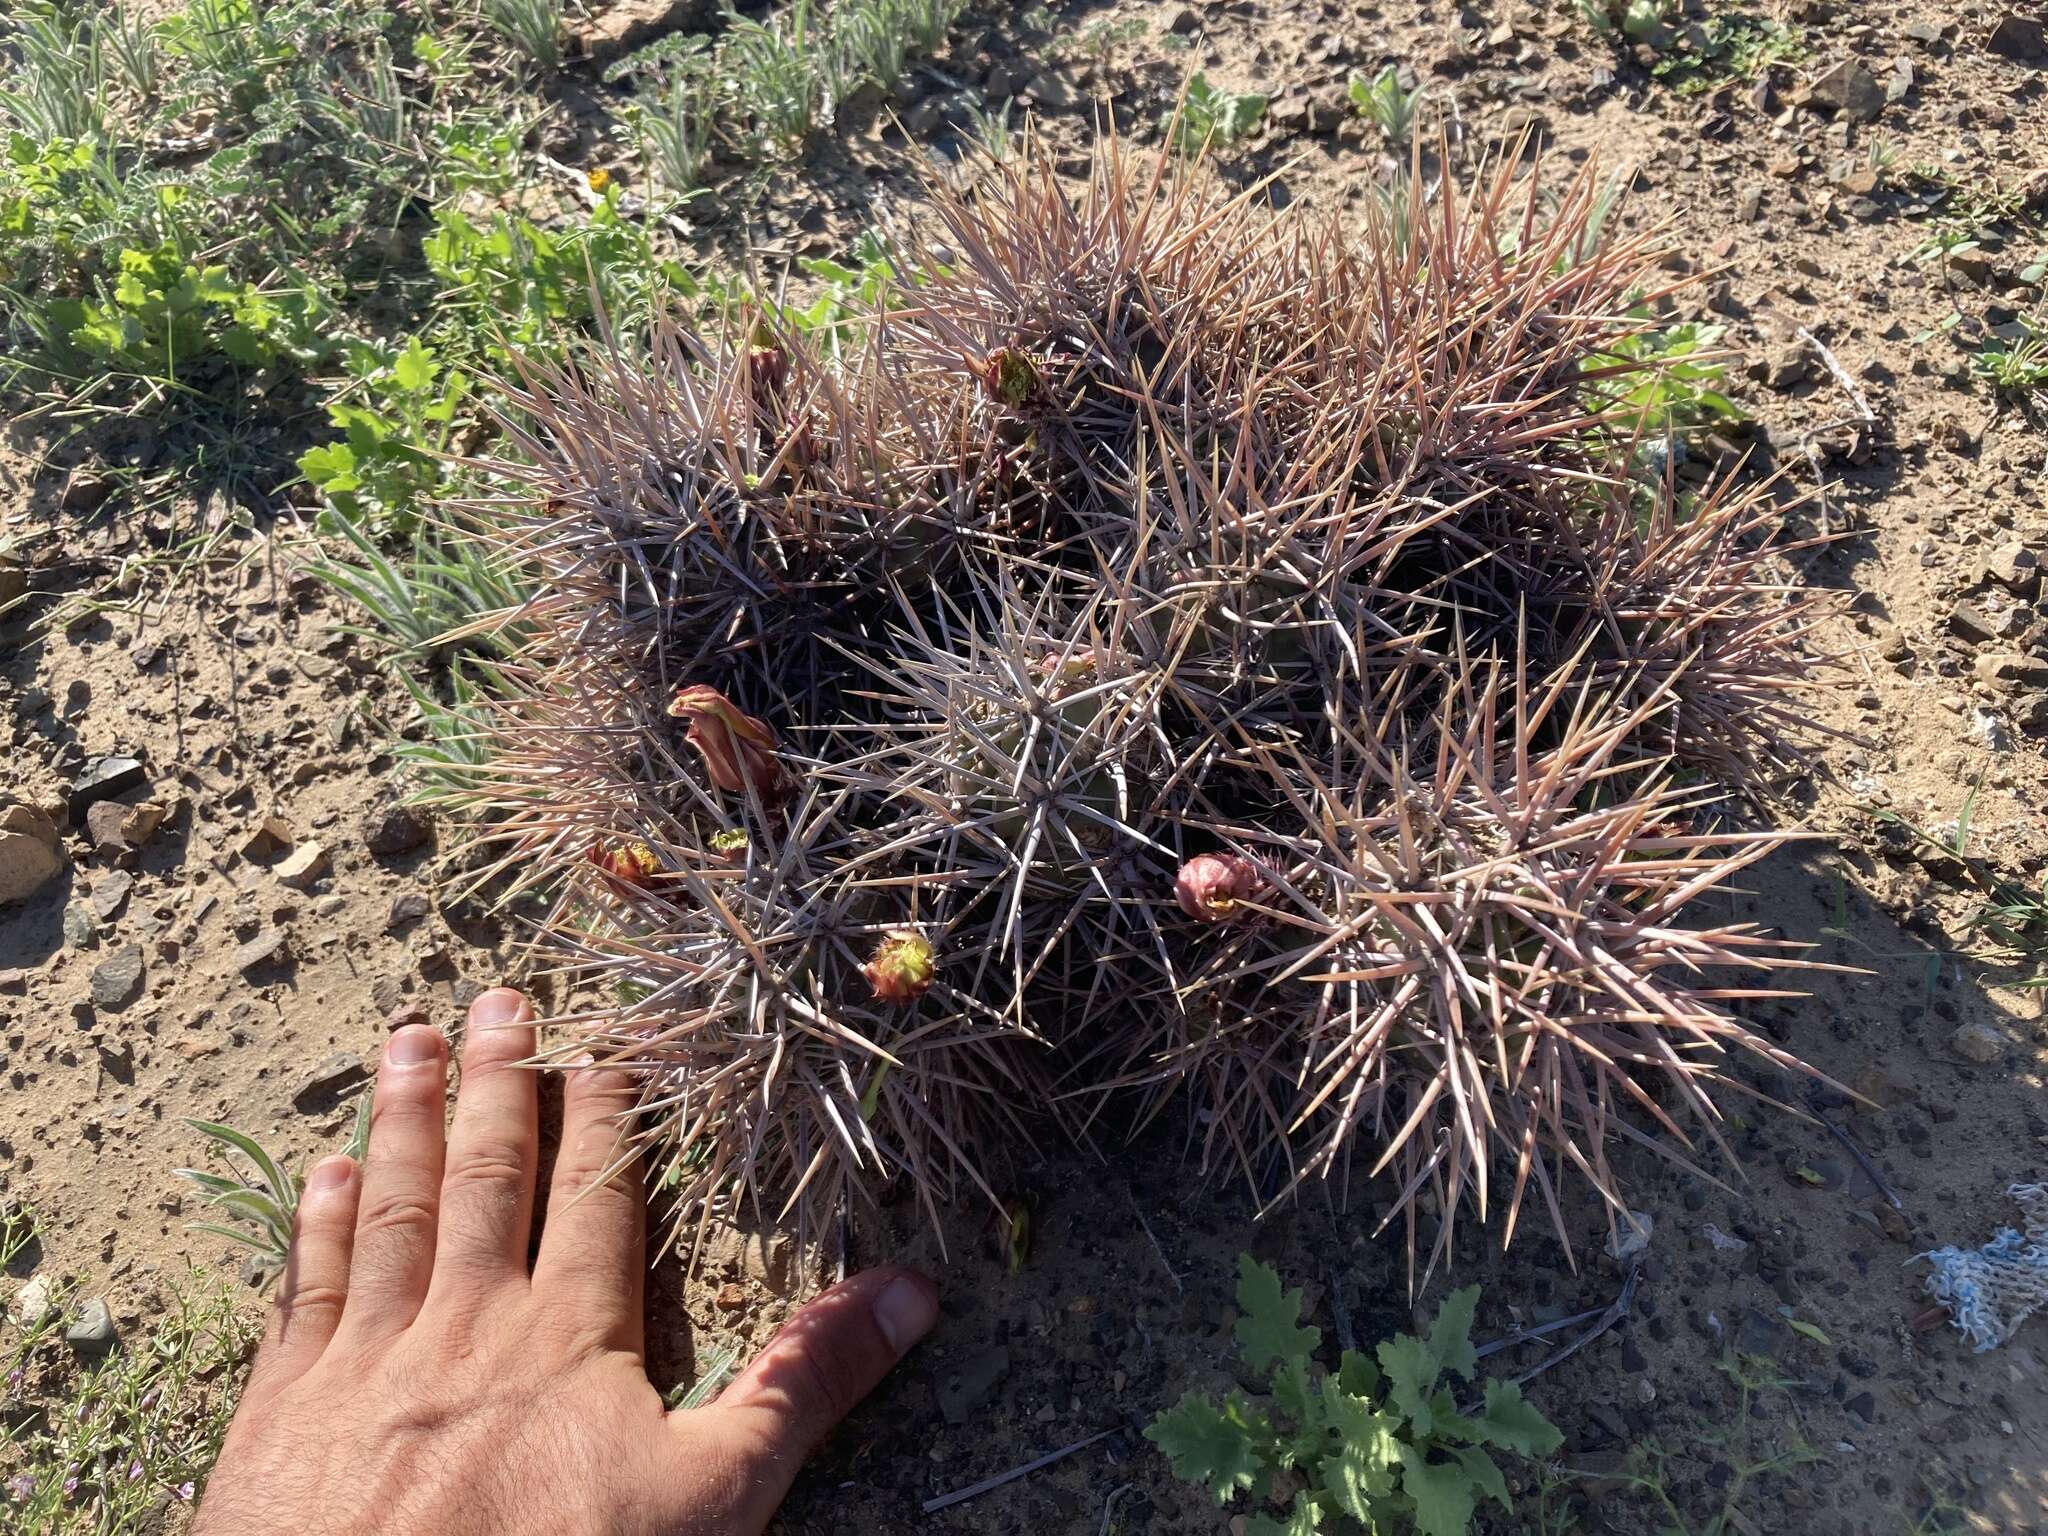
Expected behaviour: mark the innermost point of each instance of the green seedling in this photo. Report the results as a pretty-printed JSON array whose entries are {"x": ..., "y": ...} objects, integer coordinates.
[{"x": 1369, "y": 1446}]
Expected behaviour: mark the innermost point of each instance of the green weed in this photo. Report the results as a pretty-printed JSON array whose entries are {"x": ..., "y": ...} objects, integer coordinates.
[
  {"x": 2016, "y": 368},
  {"x": 1386, "y": 1445},
  {"x": 533, "y": 28},
  {"x": 108, "y": 1448},
  {"x": 257, "y": 1200},
  {"x": 1386, "y": 105},
  {"x": 1209, "y": 117}
]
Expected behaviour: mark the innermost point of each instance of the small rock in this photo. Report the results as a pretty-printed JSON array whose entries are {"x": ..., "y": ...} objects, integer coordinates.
[
  {"x": 2013, "y": 565},
  {"x": 1052, "y": 92},
  {"x": 32, "y": 1303},
  {"x": 318, "y": 1089},
  {"x": 269, "y": 837},
  {"x": 972, "y": 1383},
  {"x": 85, "y": 490},
  {"x": 2018, "y": 37},
  {"x": 105, "y": 824},
  {"x": 407, "y": 908},
  {"x": 117, "y": 979},
  {"x": 394, "y": 829},
  {"x": 2007, "y": 670},
  {"x": 80, "y": 930},
  {"x": 731, "y": 1297},
  {"x": 1849, "y": 88},
  {"x": 1788, "y": 366},
  {"x": 110, "y": 894},
  {"x": 407, "y": 1013},
  {"x": 1973, "y": 624},
  {"x": 93, "y": 1332},
  {"x": 1631, "y": 1236},
  {"x": 1978, "y": 1042},
  {"x": 1183, "y": 20},
  {"x": 30, "y": 852},
  {"x": 103, "y": 779},
  {"x": 142, "y": 823},
  {"x": 304, "y": 866},
  {"x": 619, "y": 29},
  {"x": 265, "y": 947},
  {"x": 13, "y": 583}
]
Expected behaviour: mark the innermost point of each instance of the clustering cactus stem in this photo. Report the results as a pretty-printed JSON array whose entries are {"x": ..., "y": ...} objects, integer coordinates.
[{"x": 1184, "y": 654}]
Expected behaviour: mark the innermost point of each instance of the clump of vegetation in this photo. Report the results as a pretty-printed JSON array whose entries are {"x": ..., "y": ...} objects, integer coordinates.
[
  {"x": 1210, "y": 117},
  {"x": 112, "y": 1445},
  {"x": 1369, "y": 1446},
  {"x": 257, "y": 1200},
  {"x": 1225, "y": 642},
  {"x": 1386, "y": 105},
  {"x": 1696, "y": 56}
]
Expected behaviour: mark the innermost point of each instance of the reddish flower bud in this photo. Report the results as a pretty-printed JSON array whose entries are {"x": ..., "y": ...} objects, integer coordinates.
[
  {"x": 1010, "y": 376},
  {"x": 902, "y": 968},
  {"x": 1211, "y": 885},
  {"x": 629, "y": 863},
  {"x": 738, "y": 749}
]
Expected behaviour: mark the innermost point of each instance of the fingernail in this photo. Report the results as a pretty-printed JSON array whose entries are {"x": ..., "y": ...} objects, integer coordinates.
[
  {"x": 500, "y": 1005},
  {"x": 905, "y": 1311},
  {"x": 330, "y": 1173},
  {"x": 412, "y": 1045}
]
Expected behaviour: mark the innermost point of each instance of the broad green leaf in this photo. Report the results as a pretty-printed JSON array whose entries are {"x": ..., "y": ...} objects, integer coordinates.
[
  {"x": 1266, "y": 1329},
  {"x": 414, "y": 368},
  {"x": 1358, "y": 1375},
  {"x": 1411, "y": 1380},
  {"x": 1450, "y": 1336},
  {"x": 1442, "y": 1493},
  {"x": 1219, "y": 1447},
  {"x": 1360, "y": 1473},
  {"x": 1509, "y": 1422},
  {"x": 1303, "y": 1520},
  {"x": 1807, "y": 1330},
  {"x": 1485, "y": 1475}
]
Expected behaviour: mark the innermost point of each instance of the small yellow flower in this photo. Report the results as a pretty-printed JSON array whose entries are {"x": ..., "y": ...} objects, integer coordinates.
[{"x": 600, "y": 178}]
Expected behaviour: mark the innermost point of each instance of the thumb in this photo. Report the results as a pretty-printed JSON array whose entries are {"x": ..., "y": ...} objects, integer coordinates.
[{"x": 833, "y": 1353}]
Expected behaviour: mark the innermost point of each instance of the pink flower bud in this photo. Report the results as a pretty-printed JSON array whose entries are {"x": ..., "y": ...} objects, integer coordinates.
[
  {"x": 1010, "y": 376},
  {"x": 738, "y": 749},
  {"x": 1210, "y": 886},
  {"x": 902, "y": 968}
]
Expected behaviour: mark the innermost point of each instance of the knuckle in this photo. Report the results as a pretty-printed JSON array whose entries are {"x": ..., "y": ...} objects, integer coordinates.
[
  {"x": 403, "y": 1212},
  {"x": 488, "y": 1164}
]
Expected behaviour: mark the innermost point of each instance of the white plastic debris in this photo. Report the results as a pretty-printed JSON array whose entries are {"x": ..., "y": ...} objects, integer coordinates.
[
  {"x": 1990, "y": 1291},
  {"x": 1722, "y": 1242}
]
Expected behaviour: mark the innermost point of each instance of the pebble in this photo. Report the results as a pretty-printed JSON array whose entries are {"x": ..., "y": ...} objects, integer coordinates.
[
  {"x": 1978, "y": 1042},
  {"x": 117, "y": 979},
  {"x": 80, "y": 931},
  {"x": 394, "y": 829},
  {"x": 93, "y": 1332},
  {"x": 103, "y": 779},
  {"x": 407, "y": 908},
  {"x": 972, "y": 1383},
  {"x": 110, "y": 894},
  {"x": 304, "y": 866},
  {"x": 332, "y": 1077},
  {"x": 1850, "y": 89},
  {"x": 32, "y": 1302},
  {"x": 266, "y": 946},
  {"x": 30, "y": 853}
]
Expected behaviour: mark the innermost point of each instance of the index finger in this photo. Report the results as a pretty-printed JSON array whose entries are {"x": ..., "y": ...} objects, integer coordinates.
[{"x": 593, "y": 1250}]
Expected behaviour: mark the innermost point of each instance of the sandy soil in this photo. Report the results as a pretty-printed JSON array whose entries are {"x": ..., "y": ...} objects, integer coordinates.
[{"x": 251, "y": 711}]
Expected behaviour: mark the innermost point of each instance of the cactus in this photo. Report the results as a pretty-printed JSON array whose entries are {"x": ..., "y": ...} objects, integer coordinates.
[{"x": 1186, "y": 653}]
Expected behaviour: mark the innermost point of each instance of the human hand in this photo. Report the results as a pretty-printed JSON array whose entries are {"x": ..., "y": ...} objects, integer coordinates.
[{"x": 416, "y": 1378}]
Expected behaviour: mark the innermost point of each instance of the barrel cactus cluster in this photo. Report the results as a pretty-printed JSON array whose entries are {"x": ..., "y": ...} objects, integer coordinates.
[{"x": 1177, "y": 657}]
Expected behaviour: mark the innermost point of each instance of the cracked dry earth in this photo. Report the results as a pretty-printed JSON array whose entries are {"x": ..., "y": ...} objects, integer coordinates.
[{"x": 238, "y": 951}]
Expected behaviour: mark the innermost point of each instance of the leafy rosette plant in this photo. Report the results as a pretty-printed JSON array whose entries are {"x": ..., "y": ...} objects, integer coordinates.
[{"x": 1381, "y": 1441}]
